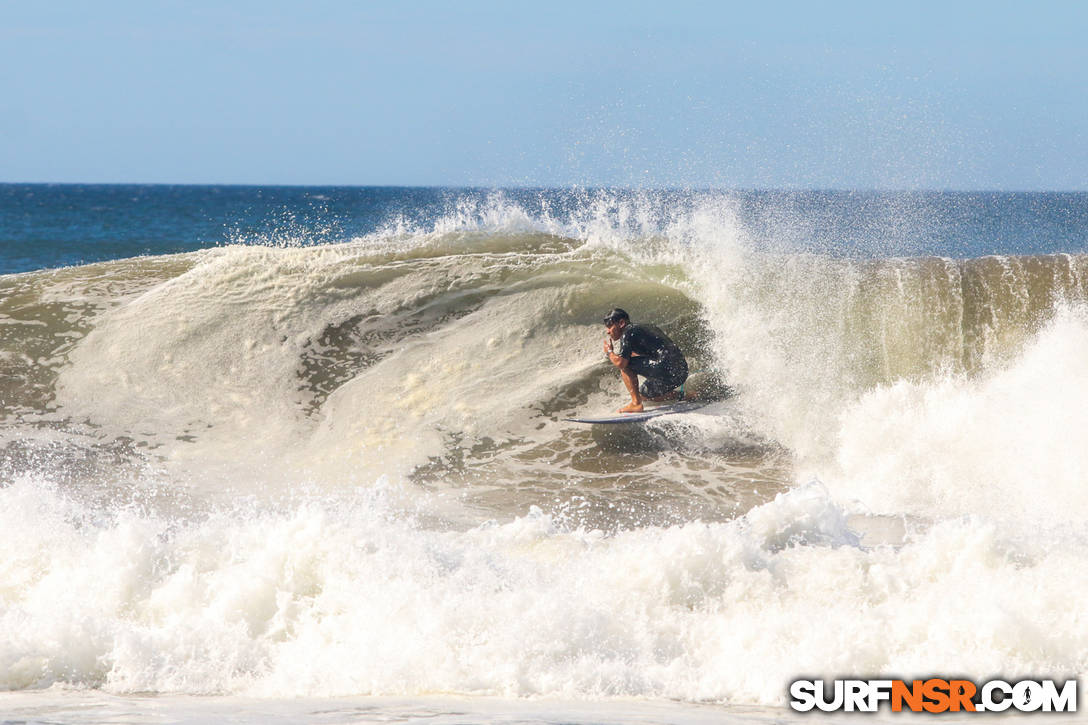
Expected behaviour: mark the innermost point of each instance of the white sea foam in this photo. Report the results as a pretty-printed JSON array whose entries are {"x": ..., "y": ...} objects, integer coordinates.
[
  {"x": 1011, "y": 444},
  {"x": 350, "y": 596}
]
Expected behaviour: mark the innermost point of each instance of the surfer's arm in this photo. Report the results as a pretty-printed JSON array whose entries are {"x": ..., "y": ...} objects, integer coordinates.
[{"x": 618, "y": 360}]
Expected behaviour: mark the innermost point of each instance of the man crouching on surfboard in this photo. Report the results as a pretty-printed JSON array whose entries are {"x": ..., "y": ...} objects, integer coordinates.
[{"x": 647, "y": 351}]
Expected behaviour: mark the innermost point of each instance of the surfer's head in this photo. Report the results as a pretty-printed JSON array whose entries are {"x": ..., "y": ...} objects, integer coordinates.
[
  {"x": 616, "y": 315},
  {"x": 615, "y": 321}
]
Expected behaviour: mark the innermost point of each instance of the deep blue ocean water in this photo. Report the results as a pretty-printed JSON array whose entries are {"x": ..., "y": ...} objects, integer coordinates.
[{"x": 55, "y": 225}]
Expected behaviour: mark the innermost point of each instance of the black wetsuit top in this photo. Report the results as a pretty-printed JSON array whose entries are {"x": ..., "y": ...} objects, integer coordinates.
[{"x": 657, "y": 358}]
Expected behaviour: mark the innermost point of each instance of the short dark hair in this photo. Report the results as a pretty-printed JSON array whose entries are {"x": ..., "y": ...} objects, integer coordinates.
[{"x": 616, "y": 315}]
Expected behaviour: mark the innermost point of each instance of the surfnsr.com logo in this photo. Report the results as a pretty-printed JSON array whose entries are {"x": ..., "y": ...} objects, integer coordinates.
[{"x": 933, "y": 695}]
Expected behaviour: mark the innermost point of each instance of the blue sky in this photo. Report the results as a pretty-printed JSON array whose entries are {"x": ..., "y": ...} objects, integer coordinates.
[{"x": 869, "y": 95}]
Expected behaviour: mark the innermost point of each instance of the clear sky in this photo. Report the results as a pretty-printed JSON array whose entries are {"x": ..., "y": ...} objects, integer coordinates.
[{"x": 868, "y": 95}]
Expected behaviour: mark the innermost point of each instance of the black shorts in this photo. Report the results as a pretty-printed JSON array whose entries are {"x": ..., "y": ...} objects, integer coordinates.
[{"x": 662, "y": 376}]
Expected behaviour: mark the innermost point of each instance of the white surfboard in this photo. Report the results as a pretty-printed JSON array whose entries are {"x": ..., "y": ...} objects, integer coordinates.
[{"x": 685, "y": 406}]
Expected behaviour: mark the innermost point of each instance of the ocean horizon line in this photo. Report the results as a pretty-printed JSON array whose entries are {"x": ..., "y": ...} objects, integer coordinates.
[{"x": 529, "y": 187}]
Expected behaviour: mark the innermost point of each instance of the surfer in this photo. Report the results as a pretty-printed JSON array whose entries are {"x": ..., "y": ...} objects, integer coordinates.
[{"x": 647, "y": 351}]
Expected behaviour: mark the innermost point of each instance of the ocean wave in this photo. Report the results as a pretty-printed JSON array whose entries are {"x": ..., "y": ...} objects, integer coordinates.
[{"x": 344, "y": 468}]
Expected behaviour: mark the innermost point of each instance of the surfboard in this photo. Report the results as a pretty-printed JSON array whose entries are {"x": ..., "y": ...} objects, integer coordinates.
[{"x": 685, "y": 406}]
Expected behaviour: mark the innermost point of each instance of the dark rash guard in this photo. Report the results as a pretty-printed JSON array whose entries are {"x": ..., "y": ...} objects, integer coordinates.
[{"x": 654, "y": 356}]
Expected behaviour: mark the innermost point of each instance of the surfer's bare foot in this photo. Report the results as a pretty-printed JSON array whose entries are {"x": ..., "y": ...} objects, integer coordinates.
[{"x": 631, "y": 408}]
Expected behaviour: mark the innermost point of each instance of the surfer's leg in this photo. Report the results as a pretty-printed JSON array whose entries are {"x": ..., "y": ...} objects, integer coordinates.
[
  {"x": 662, "y": 391},
  {"x": 630, "y": 379},
  {"x": 658, "y": 390},
  {"x": 660, "y": 379},
  {"x": 664, "y": 379}
]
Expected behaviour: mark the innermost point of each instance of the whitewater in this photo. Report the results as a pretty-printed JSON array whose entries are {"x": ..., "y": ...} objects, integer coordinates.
[{"x": 334, "y": 475}]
